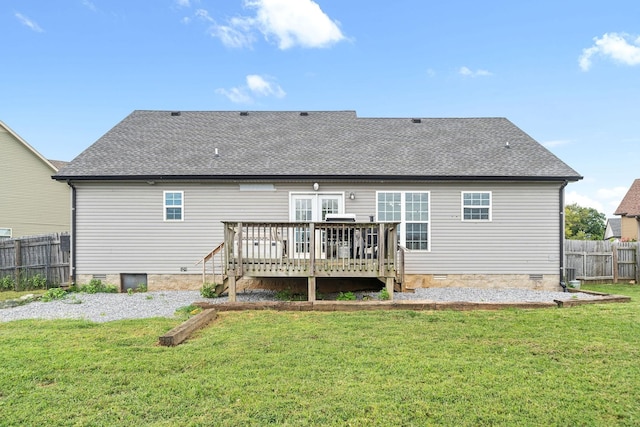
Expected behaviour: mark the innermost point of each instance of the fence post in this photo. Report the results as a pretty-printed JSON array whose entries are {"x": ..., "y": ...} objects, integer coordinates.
[
  {"x": 614, "y": 267},
  {"x": 637, "y": 263},
  {"x": 18, "y": 262}
]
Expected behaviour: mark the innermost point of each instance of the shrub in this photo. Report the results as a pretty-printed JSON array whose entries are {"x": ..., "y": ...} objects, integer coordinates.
[
  {"x": 208, "y": 290},
  {"x": 7, "y": 283},
  {"x": 384, "y": 294},
  {"x": 54, "y": 294},
  {"x": 96, "y": 285},
  {"x": 37, "y": 282},
  {"x": 346, "y": 296}
]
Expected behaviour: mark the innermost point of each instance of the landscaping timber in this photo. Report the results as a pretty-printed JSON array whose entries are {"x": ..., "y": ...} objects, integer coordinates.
[{"x": 180, "y": 333}]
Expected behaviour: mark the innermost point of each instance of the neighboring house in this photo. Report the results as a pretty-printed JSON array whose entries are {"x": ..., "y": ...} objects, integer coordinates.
[
  {"x": 613, "y": 229},
  {"x": 477, "y": 202},
  {"x": 629, "y": 211},
  {"x": 31, "y": 203}
]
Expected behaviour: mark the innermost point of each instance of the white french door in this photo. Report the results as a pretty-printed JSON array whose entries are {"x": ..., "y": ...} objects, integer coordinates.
[{"x": 311, "y": 207}]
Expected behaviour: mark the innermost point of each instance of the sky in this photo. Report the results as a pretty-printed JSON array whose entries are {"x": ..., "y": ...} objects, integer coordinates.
[{"x": 566, "y": 72}]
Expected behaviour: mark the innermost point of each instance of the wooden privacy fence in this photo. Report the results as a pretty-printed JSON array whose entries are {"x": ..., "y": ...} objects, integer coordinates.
[
  {"x": 600, "y": 260},
  {"x": 45, "y": 256}
]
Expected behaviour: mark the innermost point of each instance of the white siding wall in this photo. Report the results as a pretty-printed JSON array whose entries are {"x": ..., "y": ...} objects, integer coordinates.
[{"x": 121, "y": 227}]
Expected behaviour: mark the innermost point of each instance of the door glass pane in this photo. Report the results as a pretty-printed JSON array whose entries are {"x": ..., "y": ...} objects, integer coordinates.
[
  {"x": 304, "y": 211},
  {"x": 329, "y": 206}
]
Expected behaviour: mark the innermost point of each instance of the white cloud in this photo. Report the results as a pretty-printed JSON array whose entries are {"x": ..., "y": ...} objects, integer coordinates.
[
  {"x": 465, "y": 71},
  {"x": 260, "y": 86},
  {"x": 582, "y": 200},
  {"x": 288, "y": 23},
  {"x": 89, "y": 5},
  {"x": 237, "y": 95},
  {"x": 613, "y": 193},
  {"x": 256, "y": 86},
  {"x": 556, "y": 143},
  {"x": 293, "y": 23},
  {"x": 183, "y": 3},
  {"x": 619, "y": 47},
  {"x": 29, "y": 23}
]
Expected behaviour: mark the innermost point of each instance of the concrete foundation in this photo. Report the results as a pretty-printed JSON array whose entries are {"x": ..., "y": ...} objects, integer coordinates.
[
  {"x": 164, "y": 282},
  {"x": 549, "y": 282}
]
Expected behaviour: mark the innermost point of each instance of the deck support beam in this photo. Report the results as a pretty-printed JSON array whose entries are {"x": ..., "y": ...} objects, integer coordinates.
[
  {"x": 311, "y": 281},
  {"x": 232, "y": 287},
  {"x": 390, "y": 282}
]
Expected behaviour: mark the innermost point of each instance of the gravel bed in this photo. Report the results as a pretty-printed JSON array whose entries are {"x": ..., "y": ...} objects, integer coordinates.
[{"x": 104, "y": 307}]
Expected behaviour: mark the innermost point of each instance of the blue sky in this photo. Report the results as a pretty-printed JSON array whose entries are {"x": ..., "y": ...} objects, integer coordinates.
[{"x": 566, "y": 72}]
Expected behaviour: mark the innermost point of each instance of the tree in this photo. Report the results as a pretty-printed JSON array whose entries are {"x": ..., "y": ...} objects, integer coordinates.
[{"x": 583, "y": 223}]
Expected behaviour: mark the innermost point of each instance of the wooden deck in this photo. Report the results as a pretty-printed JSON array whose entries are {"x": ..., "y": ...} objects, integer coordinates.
[{"x": 310, "y": 250}]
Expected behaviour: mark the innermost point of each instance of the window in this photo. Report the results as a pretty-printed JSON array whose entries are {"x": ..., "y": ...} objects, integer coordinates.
[
  {"x": 411, "y": 210},
  {"x": 5, "y": 233},
  {"x": 173, "y": 205},
  {"x": 476, "y": 206}
]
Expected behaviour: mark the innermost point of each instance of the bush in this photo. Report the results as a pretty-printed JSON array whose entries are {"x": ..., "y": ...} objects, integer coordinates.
[
  {"x": 208, "y": 290},
  {"x": 384, "y": 294},
  {"x": 37, "y": 282},
  {"x": 7, "y": 284},
  {"x": 346, "y": 296},
  {"x": 54, "y": 294},
  {"x": 96, "y": 285}
]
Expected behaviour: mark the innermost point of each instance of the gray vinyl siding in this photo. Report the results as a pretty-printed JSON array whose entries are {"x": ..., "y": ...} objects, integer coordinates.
[
  {"x": 120, "y": 226},
  {"x": 31, "y": 203}
]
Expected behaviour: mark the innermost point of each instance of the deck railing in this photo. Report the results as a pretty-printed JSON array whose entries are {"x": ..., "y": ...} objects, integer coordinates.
[{"x": 308, "y": 249}]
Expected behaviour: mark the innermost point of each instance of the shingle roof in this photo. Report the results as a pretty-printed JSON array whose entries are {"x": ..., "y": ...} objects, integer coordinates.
[
  {"x": 613, "y": 228},
  {"x": 334, "y": 144},
  {"x": 630, "y": 205}
]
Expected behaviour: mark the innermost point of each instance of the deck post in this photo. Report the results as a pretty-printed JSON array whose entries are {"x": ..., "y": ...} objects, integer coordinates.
[
  {"x": 232, "y": 287},
  {"x": 311, "y": 281},
  {"x": 390, "y": 282}
]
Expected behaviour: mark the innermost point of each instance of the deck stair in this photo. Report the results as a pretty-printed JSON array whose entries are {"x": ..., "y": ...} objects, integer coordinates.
[{"x": 219, "y": 279}]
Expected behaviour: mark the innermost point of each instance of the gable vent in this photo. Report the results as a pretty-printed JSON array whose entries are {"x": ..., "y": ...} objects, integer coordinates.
[
  {"x": 244, "y": 113},
  {"x": 416, "y": 120},
  {"x": 304, "y": 113},
  {"x": 175, "y": 113}
]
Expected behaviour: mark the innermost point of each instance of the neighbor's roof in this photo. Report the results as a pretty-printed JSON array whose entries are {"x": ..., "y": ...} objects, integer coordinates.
[
  {"x": 35, "y": 152},
  {"x": 630, "y": 205},
  {"x": 613, "y": 228},
  {"x": 331, "y": 144}
]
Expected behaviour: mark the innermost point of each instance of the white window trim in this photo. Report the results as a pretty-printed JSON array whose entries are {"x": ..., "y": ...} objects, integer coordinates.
[
  {"x": 165, "y": 206},
  {"x": 3, "y": 236},
  {"x": 462, "y": 206},
  {"x": 316, "y": 200},
  {"x": 403, "y": 221}
]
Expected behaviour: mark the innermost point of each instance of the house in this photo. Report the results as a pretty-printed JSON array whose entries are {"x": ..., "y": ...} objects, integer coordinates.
[
  {"x": 31, "y": 203},
  {"x": 613, "y": 229},
  {"x": 470, "y": 201},
  {"x": 629, "y": 212}
]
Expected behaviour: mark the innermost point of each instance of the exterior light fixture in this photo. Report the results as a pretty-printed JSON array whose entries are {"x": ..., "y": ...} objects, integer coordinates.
[
  {"x": 352, "y": 195},
  {"x": 316, "y": 186}
]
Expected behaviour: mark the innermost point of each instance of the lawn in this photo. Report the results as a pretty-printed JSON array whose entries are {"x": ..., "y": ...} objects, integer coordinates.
[{"x": 570, "y": 366}]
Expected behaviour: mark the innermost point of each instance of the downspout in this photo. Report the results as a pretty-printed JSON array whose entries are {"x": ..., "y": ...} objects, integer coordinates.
[
  {"x": 561, "y": 203},
  {"x": 72, "y": 258}
]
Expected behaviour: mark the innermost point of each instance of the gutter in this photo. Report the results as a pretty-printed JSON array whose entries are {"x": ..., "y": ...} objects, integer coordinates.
[
  {"x": 330, "y": 177},
  {"x": 561, "y": 204},
  {"x": 72, "y": 260}
]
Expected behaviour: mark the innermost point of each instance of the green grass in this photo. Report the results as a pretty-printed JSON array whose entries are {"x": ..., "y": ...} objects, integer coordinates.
[
  {"x": 571, "y": 366},
  {"x": 5, "y": 295}
]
